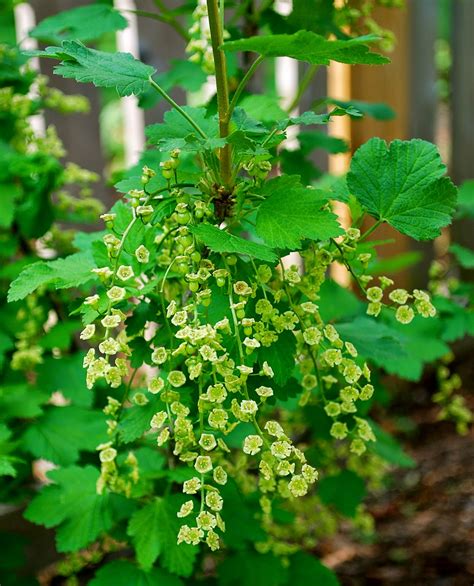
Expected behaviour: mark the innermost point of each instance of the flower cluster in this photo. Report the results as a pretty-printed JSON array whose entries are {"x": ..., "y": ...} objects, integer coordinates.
[{"x": 215, "y": 323}]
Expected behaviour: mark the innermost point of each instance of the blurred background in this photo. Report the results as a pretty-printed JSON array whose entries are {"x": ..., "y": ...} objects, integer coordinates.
[{"x": 425, "y": 521}]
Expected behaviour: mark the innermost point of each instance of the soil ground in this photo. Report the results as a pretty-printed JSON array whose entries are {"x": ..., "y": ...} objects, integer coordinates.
[{"x": 425, "y": 522}]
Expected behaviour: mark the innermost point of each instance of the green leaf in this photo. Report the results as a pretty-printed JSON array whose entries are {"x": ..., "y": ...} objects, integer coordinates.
[
  {"x": 263, "y": 108},
  {"x": 252, "y": 569},
  {"x": 422, "y": 340},
  {"x": 74, "y": 504},
  {"x": 311, "y": 141},
  {"x": 466, "y": 199},
  {"x": 292, "y": 212},
  {"x": 378, "y": 111},
  {"x": 389, "y": 449},
  {"x": 306, "y": 569},
  {"x": 176, "y": 132},
  {"x": 83, "y": 24},
  {"x": 124, "y": 573},
  {"x": 72, "y": 271},
  {"x": 403, "y": 184},
  {"x": 65, "y": 374},
  {"x": 345, "y": 491},
  {"x": 7, "y": 467},
  {"x": 374, "y": 340},
  {"x": 9, "y": 192},
  {"x": 119, "y": 70},
  {"x": 21, "y": 400},
  {"x": 136, "y": 419},
  {"x": 145, "y": 530},
  {"x": 60, "y": 335},
  {"x": 280, "y": 356},
  {"x": 221, "y": 241},
  {"x": 154, "y": 529},
  {"x": 310, "y": 47},
  {"x": 464, "y": 256},
  {"x": 62, "y": 432}
]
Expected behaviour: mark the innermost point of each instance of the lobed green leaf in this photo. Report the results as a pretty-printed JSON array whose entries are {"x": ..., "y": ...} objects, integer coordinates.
[
  {"x": 118, "y": 70},
  {"x": 84, "y": 23},
  {"x": 311, "y": 47},
  {"x": 293, "y": 212},
  {"x": 221, "y": 241},
  {"x": 403, "y": 184}
]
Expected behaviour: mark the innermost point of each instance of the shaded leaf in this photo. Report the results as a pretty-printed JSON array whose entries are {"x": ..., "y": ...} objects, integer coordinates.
[
  {"x": 310, "y": 47},
  {"x": 83, "y": 24},
  {"x": 221, "y": 241},
  {"x": 124, "y": 573},
  {"x": 62, "y": 432}
]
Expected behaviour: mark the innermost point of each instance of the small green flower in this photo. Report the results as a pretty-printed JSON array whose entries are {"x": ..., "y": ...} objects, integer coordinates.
[
  {"x": 252, "y": 444},
  {"x": 116, "y": 293},
  {"x": 374, "y": 294},
  {"x": 339, "y": 430},
  {"x": 158, "y": 419},
  {"x": 155, "y": 385},
  {"x": 124, "y": 273},
  {"x": 366, "y": 392},
  {"x": 159, "y": 355},
  {"x": 214, "y": 500},
  {"x": 176, "y": 378},
  {"x": 220, "y": 475},
  {"x": 404, "y": 314},
  {"x": 312, "y": 336},
  {"x": 203, "y": 464},
  {"x": 186, "y": 509},
  {"x": 399, "y": 296},
  {"x": 264, "y": 391},
  {"x": 206, "y": 520},
  {"x": 298, "y": 486},
  {"x": 207, "y": 441},
  {"x": 87, "y": 332},
  {"x": 142, "y": 254},
  {"x": 332, "y": 409},
  {"x": 281, "y": 449},
  {"x": 192, "y": 486}
]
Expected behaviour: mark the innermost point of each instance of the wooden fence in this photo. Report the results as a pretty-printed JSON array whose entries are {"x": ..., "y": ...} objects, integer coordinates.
[{"x": 408, "y": 84}]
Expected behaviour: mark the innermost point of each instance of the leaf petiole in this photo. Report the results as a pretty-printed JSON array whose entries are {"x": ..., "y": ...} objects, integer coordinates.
[{"x": 178, "y": 108}]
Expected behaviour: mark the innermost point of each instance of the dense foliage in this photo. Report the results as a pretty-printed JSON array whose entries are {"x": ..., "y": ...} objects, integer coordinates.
[{"x": 228, "y": 390}]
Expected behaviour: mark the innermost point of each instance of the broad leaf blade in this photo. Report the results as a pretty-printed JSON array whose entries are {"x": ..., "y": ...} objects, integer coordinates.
[
  {"x": 221, "y": 241},
  {"x": 403, "y": 184},
  {"x": 310, "y": 47},
  {"x": 119, "y": 70},
  {"x": 292, "y": 212},
  {"x": 83, "y": 23}
]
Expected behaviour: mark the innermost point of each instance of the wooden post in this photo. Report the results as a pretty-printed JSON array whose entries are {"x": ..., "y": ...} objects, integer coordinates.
[
  {"x": 462, "y": 160},
  {"x": 389, "y": 84},
  {"x": 423, "y": 99},
  {"x": 80, "y": 133}
]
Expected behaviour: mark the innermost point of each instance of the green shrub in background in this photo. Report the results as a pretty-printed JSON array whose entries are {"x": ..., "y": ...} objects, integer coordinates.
[{"x": 228, "y": 393}]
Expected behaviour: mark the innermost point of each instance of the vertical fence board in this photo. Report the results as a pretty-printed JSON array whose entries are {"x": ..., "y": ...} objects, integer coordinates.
[
  {"x": 388, "y": 84},
  {"x": 422, "y": 98},
  {"x": 462, "y": 165},
  {"x": 79, "y": 132}
]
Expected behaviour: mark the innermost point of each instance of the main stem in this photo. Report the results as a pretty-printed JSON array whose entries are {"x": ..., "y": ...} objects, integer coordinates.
[{"x": 217, "y": 39}]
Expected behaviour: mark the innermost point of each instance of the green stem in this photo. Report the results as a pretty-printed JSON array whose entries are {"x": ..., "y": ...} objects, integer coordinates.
[
  {"x": 303, "y": 86},
  {"x": 222, "y": 89},
  {"x": 177, "y": 107},
  {"x": 165, "y": 17},
  {"x": 243, "y": 83},
  {"x": 370, "y": 230},
  {"x": 346, "y": 263}
]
